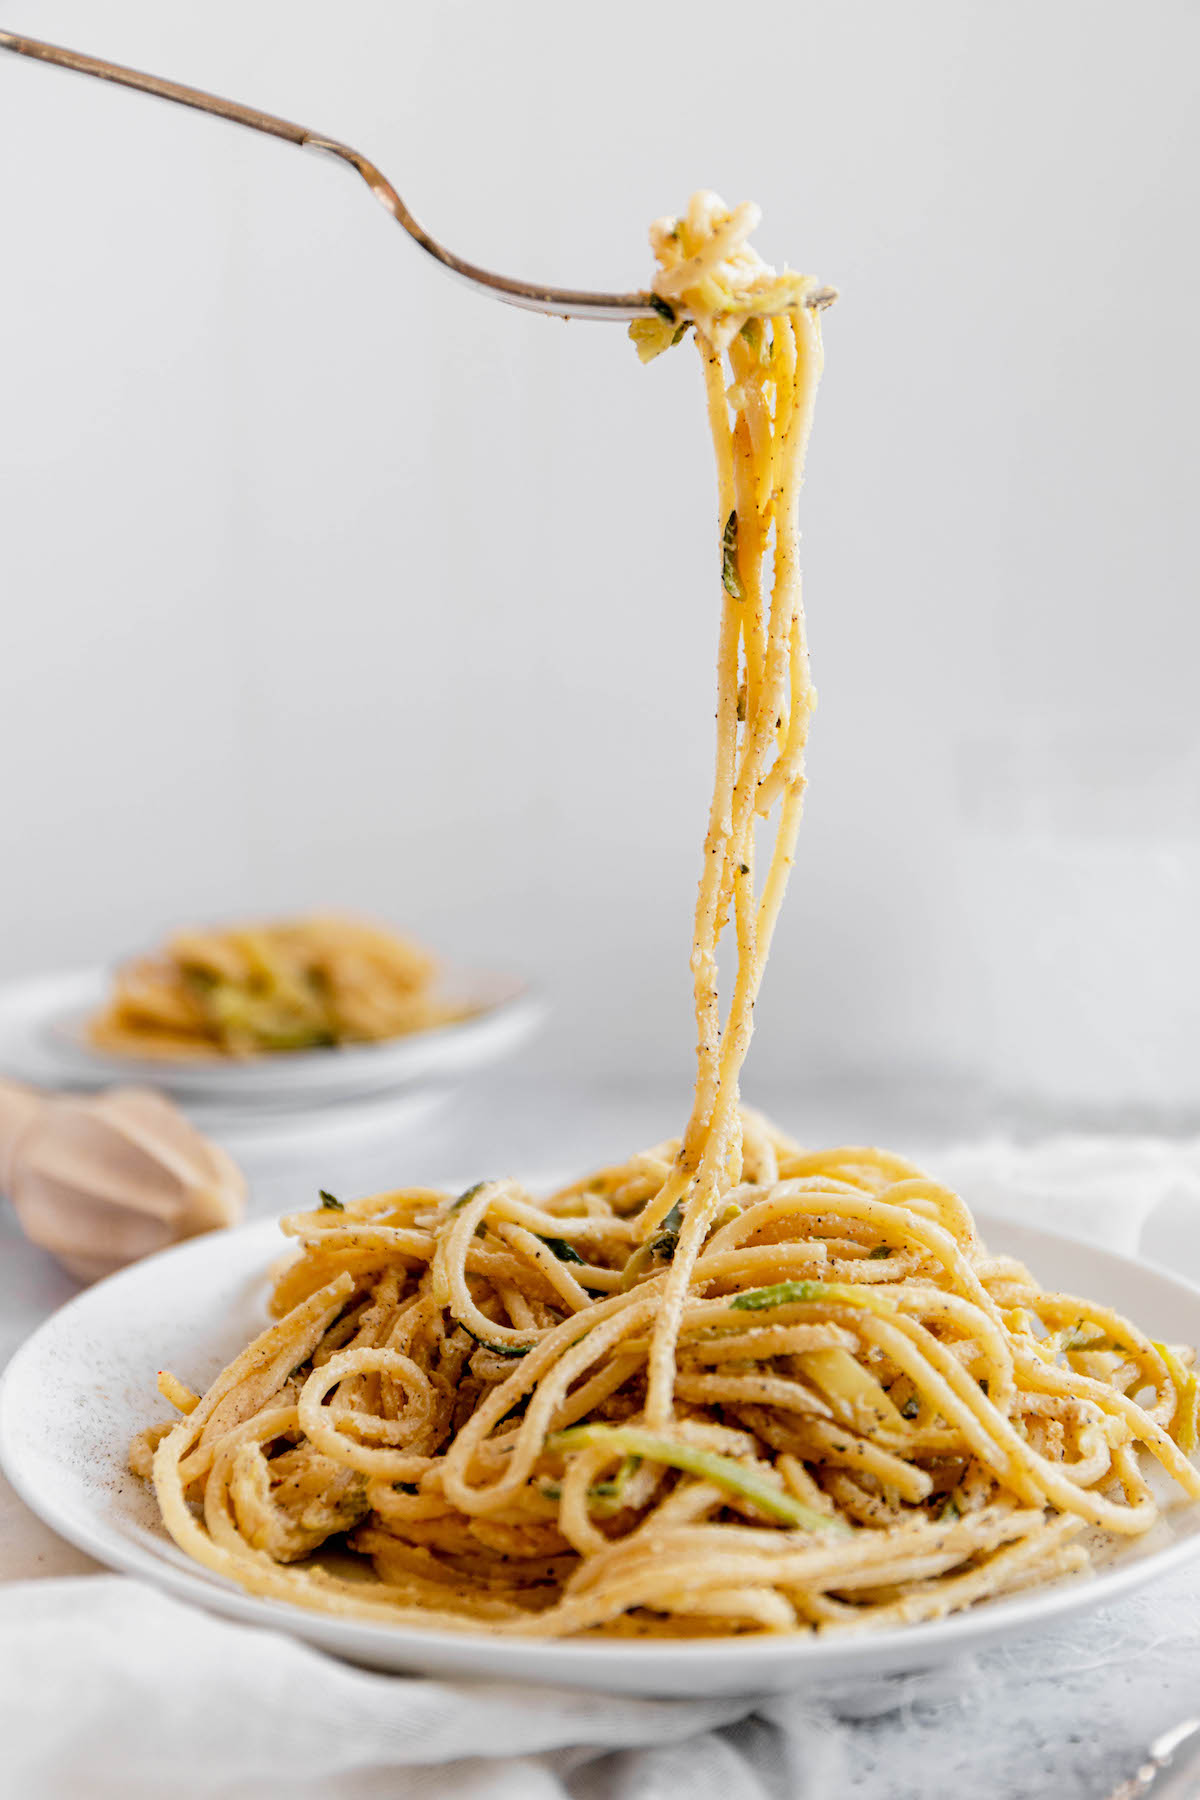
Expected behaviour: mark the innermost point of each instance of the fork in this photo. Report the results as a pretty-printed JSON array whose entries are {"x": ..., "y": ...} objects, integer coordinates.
[
  {"x": 1164, "y": 1775},
  {"x": 563, "y": 302}
]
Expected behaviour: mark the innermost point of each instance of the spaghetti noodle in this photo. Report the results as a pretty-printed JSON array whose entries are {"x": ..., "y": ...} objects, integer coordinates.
[{"x": 730, "y": 1385}]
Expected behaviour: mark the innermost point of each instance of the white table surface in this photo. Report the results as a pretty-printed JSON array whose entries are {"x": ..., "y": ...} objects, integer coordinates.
[{"x": 1103, "y": 1706}]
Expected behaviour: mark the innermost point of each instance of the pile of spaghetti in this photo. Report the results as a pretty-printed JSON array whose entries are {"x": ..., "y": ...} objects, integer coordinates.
[
  {"x": 730, "y": 1385},
  {"x": 301, "y": 984}
]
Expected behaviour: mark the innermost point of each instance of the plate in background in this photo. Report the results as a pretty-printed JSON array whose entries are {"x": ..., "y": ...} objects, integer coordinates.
[
  {"x": 83, "y": 1384},
  {"x": 42, "y": 1040}
]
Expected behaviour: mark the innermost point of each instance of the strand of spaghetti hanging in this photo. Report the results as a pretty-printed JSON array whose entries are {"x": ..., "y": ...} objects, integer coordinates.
[{"x": 755, "y": 324}]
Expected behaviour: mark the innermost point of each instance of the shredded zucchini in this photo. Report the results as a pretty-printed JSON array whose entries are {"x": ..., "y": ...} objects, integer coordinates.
[
  {"x": 658, "y": 1249},
  {"x": 498, "y": 1349},
  {"x": 723, "y": 1471},
  {"x": 652, "y": 336},
  {"x": 467, "y": 1194},
  {"x": 835, "y": 1293},
  {"x": 565, "y": 1252},
  {"x": 730, "y": 575}
]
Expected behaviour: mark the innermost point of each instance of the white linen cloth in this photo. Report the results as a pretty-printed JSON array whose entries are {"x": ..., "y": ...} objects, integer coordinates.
[{"x": 109, "y": 1688}]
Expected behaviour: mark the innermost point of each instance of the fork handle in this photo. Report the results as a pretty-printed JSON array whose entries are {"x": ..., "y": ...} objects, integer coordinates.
[
  {"x": 565, "y": 301},
  {"x": 237, "y": 114},
  {"x": 156, "y": 85},
  {"x": 255, "y": 120}
]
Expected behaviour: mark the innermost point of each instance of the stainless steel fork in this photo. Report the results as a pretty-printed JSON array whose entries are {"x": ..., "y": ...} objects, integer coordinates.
[{"x": 565, "y": 302}]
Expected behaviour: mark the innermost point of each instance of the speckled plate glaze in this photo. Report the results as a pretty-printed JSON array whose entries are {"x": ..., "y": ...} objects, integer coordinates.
[
  {"x": 42, "y": 1039},
  {"x": 83, "y": 1384}
]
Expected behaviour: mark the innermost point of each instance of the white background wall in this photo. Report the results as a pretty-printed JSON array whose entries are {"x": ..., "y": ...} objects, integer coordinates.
[{"x": 325, "y": 581}]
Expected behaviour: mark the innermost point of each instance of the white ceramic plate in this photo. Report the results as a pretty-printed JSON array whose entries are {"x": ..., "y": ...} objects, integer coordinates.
[
  {"x": 83, "y": 1384},
  {"x": 42, "y": 1040}
]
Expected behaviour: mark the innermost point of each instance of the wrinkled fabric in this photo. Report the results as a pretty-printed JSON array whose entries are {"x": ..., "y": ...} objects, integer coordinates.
[{"x": 110, "y": 1690}]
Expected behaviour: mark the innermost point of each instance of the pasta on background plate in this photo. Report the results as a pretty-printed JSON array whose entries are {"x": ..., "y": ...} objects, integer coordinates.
[{"x": 247, "y": 990}]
